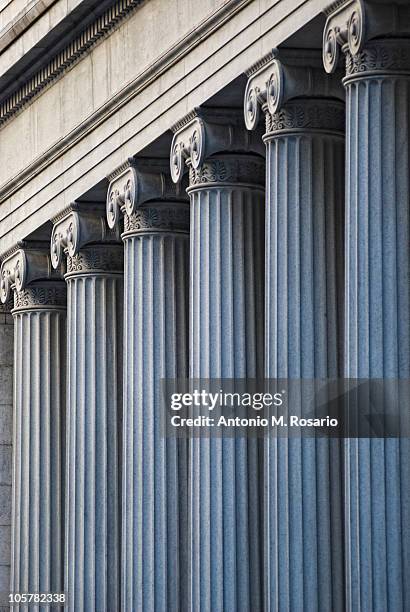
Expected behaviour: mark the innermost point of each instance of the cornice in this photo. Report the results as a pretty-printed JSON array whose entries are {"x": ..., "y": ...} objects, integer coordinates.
[
  {"x": 23, "y": 265},
  {"x": 79, "y": 225},
  {"x": 287, "y": 75},
  {"x": 137, "y": 181},
  {"x": 351, "y": 24},
  {"x": 100, "y": 28},
  {"x": 206, "y": 132},
  {"x": 163, "y": 63}
]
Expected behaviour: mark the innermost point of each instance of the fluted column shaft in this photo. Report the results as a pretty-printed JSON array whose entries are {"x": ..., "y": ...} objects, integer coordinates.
[
  {"x": 378, "y": 315},
  {"x": 156, "y": 242},
  {"x": 38, "y": 439},
  {"x": 94, "y": 410},
  {"x": 226, "y": 340},
  {"x": 303, "y": 558}
]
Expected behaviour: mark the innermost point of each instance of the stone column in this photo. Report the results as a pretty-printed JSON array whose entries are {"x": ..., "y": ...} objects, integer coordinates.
[
  {"x": 226, "y": 341},
  {"x": 377, "y": 83},
  {"x": 94, "y": 405},
  {"x": 39, "y": 420},
  {"x": 303, "y": 555},
  {"x": 6, "y": 432},
  {"x": 156, "y": 265}
]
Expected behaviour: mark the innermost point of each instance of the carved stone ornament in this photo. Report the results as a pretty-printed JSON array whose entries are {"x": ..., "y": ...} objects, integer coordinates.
[
  {"x": 204, "y": 132},
  {"x": 283, "y": 76},
  {"x": 314, "y": 114},
  {"x": 136, "y": 182},
  {"x": 96, "y": 259},
  {"x": 158, "y": 217},
  {"x": 25, "y": 263},
  {"x": 379, "y": 57},
  {"x": 41, "y": 295},
  {"x": 351, "y": 24},
  {"x": 77, "y": 226},
  {"x": 228, "y": 169}
]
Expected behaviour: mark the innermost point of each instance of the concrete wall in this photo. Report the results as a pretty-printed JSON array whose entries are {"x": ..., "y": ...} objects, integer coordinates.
[{"x": 6, "y": 411}]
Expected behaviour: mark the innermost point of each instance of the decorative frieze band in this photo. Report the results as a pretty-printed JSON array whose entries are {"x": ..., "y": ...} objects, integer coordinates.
[
  {"x": 45, "y": 295},
  {"x": 385, "y": 56},
  {"x": 24, "y": 264},
  {"x": 284, "y": 77},
  {"x": 350, "y": 26},
  {"x": 204, "y": 132},
  {"x": 78, "y": 225},
  {"x": 308, "y": 114},
  {"x": 134, "y": 184},
  {"x": 158, "y": 218},
  {"x": 229, "y": 169},
  {"x": 96, "y": 259}
]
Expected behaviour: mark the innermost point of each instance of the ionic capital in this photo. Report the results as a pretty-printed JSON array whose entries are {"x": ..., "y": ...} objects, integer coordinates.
[
  {"x": 351, "y": 24},
  {"x": 204, "y": 132},
  {"x": 79, "y": 225},
  {"x": 22, "y": 265},
  {"x": 136, "y": 182},
  {"x": 283, "y": 76}
]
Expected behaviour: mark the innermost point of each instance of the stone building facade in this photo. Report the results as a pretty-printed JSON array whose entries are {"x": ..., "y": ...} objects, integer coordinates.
[{"x": 210, "y": 189}]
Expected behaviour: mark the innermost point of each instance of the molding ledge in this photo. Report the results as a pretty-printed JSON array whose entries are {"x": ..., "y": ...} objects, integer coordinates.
[
  {"x": 100, "y": 28},
  {"x": 153, "y": 71}
]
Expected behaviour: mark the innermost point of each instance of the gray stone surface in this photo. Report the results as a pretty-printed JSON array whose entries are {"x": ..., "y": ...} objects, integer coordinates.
[
  {"x": 155, "y": 494},
  {"x": 6, "y": 420},
  {"x": 226, "y": 340},
  {"x": 38, "y": 497},
  {"x": 378, "y": 316},
  {"x": 94, "y": 306},
  {"x": 5, "y": 504},
  {"x": 156, "y": 269},
  {"x": 304, "y": 316}
]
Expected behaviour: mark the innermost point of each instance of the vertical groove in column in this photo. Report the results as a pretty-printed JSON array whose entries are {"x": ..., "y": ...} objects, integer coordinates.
[
  {"x": 378, "y": 321},
  {"x": 155, "y": 467},
  {"x": 303, "y": 556},
  {"x": 39, "y": 427},
  {"x": 6, "y": 450},
  {"x": 95, "y": 295},
  {"x": 226, "y": 340}
]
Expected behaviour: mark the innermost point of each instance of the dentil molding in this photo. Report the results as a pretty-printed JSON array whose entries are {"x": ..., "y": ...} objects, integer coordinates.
[{"x": 204, "y": 132}]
